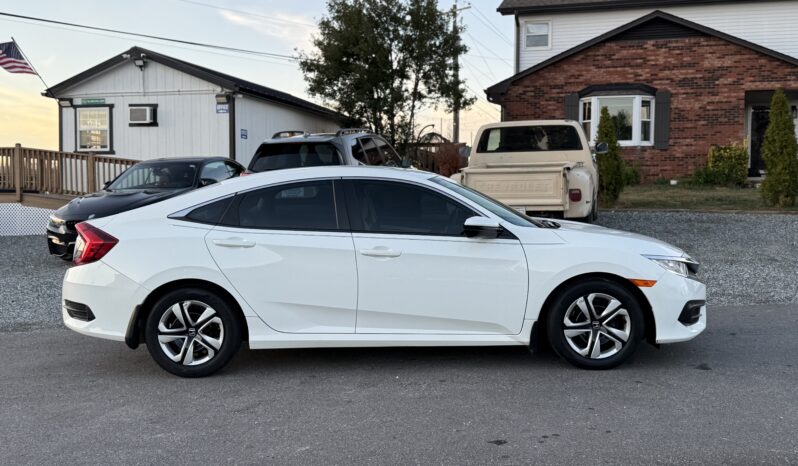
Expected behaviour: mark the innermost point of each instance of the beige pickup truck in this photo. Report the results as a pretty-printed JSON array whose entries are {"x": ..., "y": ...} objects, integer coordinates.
[{"x": 536, "y": 167}]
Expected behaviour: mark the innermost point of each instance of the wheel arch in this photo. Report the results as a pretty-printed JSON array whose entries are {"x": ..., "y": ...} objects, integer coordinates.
[
  {"x": 539, "y": 337},
  {"x": 135, "y": 331}
]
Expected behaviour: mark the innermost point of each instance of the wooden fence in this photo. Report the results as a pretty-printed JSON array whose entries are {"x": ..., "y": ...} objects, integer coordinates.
[{"x": 53, "y": 173}]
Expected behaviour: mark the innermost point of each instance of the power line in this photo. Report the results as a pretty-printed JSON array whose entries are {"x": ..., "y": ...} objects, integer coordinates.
[
  {"x": 171, "y": 46},
  {"x": 148, "y": 36},
  {"x": 248, "y": 13},
  {"x": 488, "y": 67},
  {"x": 490, "y": 26},
  {"x": 473, "y": 39}
]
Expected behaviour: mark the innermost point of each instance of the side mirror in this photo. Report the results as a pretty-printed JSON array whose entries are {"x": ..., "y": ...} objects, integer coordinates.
[
  {"x": 106, "y": 184},
  {"x": 206, "y": 181},
  {"x": 602, "y": 148},
  {"x": 482, "y": 227}
]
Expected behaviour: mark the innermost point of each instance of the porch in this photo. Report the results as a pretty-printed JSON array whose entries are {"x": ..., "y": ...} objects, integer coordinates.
[{"x": 49, "y": 179}]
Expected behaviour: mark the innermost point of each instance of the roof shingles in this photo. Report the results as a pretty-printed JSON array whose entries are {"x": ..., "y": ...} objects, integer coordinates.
[{"x": 509, "y": 7}]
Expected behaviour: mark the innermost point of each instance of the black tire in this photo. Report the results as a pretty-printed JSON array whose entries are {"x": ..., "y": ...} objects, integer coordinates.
[
  {"x": 219, "y": 333},
  {"x": 592, "y": 216},
  {"x": 608, "y": 328}
]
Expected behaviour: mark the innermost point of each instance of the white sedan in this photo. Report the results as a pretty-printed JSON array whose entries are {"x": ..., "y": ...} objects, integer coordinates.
[{"x": 364, "y": 257}]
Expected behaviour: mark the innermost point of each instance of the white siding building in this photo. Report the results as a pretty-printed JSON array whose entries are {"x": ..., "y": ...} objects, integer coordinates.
[
  {"x": 142, "y": 105},
  {"x": 548, "y": 28}
]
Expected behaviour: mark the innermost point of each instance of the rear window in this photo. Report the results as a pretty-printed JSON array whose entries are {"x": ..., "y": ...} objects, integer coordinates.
[
  {"x": 530, "y": 139},
  {"x": 294, "y": 155}
]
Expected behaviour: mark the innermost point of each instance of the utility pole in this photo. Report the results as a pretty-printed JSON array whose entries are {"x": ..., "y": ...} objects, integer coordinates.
[{"x": 456, "y": 74}]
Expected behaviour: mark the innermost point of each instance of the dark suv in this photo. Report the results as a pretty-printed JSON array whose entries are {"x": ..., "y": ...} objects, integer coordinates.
[{"x": 294, "y": 149}]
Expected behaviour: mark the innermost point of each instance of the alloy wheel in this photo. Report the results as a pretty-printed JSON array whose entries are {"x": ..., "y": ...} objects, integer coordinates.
[
  {"x": 597, "y": 326},
  {"x": 190, "y": 333}
]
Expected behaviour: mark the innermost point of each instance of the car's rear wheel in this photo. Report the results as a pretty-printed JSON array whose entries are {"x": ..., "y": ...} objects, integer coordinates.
[
  {"x": 192, "y": 332},
  {"x": 595, "y": 324}
]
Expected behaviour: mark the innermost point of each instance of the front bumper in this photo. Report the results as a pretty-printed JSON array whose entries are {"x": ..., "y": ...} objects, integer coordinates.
[
  {"x": 61, "y": 239},
  {"x": 109, "y": 297},
  {"x": 679, "y": 305}
]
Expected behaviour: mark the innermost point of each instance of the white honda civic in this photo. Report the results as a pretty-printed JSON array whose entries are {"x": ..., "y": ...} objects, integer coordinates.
[{"x": 363, "y": 257}]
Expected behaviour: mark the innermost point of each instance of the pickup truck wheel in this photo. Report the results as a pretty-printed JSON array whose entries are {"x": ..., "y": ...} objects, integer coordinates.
[{"x": 592, "y": 216}]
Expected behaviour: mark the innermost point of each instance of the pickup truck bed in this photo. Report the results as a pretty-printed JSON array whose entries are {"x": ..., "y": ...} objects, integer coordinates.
[{"x": 541, "y": 186}]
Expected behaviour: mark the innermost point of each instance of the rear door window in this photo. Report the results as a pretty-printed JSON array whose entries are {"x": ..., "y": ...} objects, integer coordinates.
[
  {"x": 389, "y": 154},
  {"x": 530, "y": 139},
  {"x": 372, "y": 152},
  {"x": 294, "y": 155},
  {"x": 216, "y": 171},
  {"x": 297, "y": 206}
]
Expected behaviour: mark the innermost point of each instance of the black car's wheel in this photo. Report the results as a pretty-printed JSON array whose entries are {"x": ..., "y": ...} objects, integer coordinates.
[
  {"x": 192, "y": 333},
  {"x": 595, "y": 324}
]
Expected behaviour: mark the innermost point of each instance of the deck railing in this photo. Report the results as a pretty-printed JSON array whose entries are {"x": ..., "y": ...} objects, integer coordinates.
[{"x": 27, "y": 170}]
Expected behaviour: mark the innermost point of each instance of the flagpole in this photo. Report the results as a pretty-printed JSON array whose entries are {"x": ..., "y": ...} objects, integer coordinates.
[{"x": 46, "y": 87}]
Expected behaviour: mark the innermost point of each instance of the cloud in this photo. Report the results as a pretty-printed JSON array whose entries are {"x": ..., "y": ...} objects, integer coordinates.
[{"x": 294, "y": 30}]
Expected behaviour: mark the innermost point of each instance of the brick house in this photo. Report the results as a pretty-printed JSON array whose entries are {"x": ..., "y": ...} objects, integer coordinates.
[{"x": 675, "y": 86}]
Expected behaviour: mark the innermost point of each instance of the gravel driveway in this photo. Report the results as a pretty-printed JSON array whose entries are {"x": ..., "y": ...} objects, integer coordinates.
[{"x": 746, "y": 259}]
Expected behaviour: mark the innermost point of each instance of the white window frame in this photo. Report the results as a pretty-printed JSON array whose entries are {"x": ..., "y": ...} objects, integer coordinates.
[
  {"x": 109, "y": 128},
  {"x": 637, "y": 107},
  {"x": 548, "y": 25}
]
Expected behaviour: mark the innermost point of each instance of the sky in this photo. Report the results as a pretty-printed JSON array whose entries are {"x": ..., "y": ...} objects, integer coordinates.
[{"x": 277, "y": 26}]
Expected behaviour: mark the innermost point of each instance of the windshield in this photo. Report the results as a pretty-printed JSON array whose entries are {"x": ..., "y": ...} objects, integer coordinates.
[
  {"x": 161, "y": 175},
  {"x": 294, "y": 155},
  {"x": 495, "y": 207},
  {"x": 529, "y": 139}
]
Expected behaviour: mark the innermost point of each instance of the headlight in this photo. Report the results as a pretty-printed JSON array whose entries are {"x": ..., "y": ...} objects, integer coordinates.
[{"x": 683, "y": 266}]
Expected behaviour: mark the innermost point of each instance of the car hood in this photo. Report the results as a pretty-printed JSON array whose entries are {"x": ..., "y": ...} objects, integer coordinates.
[
  {"x": 575, "y": 232},
  {"x": 104, "y": 203}
]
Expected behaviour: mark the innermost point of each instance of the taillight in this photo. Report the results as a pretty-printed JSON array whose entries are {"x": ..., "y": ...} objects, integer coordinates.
[
  {"x": 575, "y": 195},
  {"x": 245, "y": 173},
  {"x": 92, "y": 244}
]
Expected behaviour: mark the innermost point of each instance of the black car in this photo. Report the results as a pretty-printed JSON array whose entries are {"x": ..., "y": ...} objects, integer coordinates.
[{"x": 142, "y": 184}]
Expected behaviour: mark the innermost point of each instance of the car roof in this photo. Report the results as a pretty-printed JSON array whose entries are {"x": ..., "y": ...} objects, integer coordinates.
[
  {"x": 333, "y": 171},
  {"x": 186, "y": 160},
  {"x": 320, "y": 137}
]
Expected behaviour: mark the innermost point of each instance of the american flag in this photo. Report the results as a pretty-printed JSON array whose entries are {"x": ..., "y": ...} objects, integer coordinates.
[{"x": 12, "y": 60}]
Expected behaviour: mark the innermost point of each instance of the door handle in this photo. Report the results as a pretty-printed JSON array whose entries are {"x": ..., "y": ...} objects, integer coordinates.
[
  {"x": 387, "y": 253},
  {"x": 234, "y": 243}
]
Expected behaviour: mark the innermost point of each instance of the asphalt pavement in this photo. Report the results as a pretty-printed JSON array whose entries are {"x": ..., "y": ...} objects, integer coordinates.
[{"x": 728, "y": 397}]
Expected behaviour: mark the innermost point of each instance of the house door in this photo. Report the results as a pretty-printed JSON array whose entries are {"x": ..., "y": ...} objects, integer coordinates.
[{"x": 760, "y": 117}]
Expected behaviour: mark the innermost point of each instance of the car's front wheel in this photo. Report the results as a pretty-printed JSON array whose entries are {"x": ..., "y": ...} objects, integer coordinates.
[
  {"x": 595, "y": 324},
  {"x": 192, "y": 332}
]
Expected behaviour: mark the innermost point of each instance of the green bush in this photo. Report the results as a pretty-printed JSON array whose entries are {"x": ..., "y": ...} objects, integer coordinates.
[
  {"x": 631, "y": 175},
  {"x": 661, "y": 181},
  {"x": 780, "y": 153},
  {"x": 705, "y": 176},
  {"x": 610, "y": 165},
  {"x": 729, "y": 164}
]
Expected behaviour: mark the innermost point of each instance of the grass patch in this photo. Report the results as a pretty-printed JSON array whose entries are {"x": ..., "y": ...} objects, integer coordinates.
[{"x": 694, "y": 198}]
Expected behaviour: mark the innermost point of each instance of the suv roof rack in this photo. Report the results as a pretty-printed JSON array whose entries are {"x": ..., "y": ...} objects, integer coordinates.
[
  {"x": 289, "y": 133},
  {"x": 345, "y": 131}
]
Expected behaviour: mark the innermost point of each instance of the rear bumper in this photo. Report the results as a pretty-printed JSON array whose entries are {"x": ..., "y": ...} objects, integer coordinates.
[
  {"x": 679, "y": 304},
  {"x": 111, "y": 297}
]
